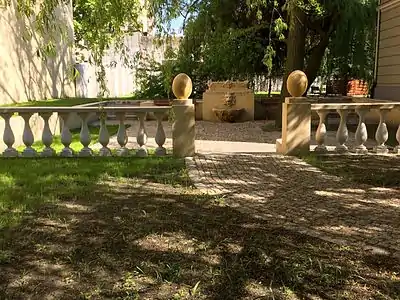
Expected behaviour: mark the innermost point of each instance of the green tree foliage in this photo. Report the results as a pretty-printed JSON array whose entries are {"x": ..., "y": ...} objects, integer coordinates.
[
  {"x": 351, "y": 50},
  {"x": 227, "y": 39},
  {"x": 101, "y": 24},
  {"x": 98, "y": 25},
  {"x": 154, "y": 78},
  {"x": 342, "y": 31}
]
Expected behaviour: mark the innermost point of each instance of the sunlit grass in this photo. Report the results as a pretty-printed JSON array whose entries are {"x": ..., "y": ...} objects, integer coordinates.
[
  {"x": 25, "y": 184},
  {"x": 65, "y": 101},
  {"x": 76, "y": 145}
]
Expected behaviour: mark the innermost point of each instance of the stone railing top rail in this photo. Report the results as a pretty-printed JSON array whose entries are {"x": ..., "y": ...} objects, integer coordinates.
[
  {"x": 352, "y": 106},
  {"x": 82, "y": 109}
]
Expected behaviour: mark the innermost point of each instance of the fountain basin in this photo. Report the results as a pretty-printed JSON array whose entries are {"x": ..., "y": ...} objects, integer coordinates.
[{"x": 230, "y": 115}]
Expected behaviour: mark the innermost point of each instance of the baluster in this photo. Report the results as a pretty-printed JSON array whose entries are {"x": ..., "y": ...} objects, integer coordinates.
[
  {"x": 122, "y": 137},
  {"x": 160, "y": 135},
  {"x": 104, "y": 136},
  {"x": 47, "y": 136},
  {"x": 142, "y": 136},
  {"x": 85, "y": 135},
  {"x": 27, "y": 136},
  {"x": 397, "y": 148},
  {"x": 320, "y": 135},
  {"x": 382, "y": 133},
  {"x": 342, "y": 134},
  {"x": 66, "y": 136},
  {"x": 8, "y": 137},
  {"x": 361, "y": 132}
]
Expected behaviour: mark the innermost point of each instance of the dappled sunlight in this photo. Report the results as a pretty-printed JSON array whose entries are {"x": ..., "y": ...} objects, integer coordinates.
[
  {"x": 352, "y": 191},
  {"x": 150, "y": 234},
  {"x": 75, "y": 206},
  {"x": 291, "y": 193},
  {"x": 158, "y": 244},
  {"x": 382, "y": 190},
  {"x": 170, "y": 241},
  {"x": 330, "y": 194},
  {"x": 212, "y": 260}
]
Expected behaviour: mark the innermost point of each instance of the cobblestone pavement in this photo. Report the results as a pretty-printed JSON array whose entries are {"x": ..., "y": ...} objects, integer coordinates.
[
  {"x": 289, "y": 192},
  {"x": 285, "y": 190}
]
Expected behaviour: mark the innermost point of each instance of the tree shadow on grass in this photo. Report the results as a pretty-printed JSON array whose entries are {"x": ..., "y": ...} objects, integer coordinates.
[
  {"x": 28, "y": 183},
  {"x": 120, "y": 230},
  {"x": 375, "y": 170}
]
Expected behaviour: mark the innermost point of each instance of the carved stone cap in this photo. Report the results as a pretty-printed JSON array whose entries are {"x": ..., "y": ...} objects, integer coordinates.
[
  {"x": 225, "y": 86},
  {"x": 297, "y": 83}
]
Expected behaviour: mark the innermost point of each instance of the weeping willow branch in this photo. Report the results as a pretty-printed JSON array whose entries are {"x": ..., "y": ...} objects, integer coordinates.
[{"x": 98, "y": 25}]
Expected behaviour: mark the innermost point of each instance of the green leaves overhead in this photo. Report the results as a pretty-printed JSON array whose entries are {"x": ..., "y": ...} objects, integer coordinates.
[{"x": 224, "y": 38}]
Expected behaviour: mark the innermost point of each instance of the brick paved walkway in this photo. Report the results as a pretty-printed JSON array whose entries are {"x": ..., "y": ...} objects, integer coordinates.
[
  {"x": 285, "y": 190},
  {"x": 288, "y": 192}
]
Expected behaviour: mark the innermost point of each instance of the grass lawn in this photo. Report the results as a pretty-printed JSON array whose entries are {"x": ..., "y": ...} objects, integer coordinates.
[
  {"x": 266, "y": 93},
  {"x": 65, "y": 101},
  {"x": 378, "y": 171},
  {"x": 76, "y": 145},
  {"x": 371, "y": 129},
  {"x": 130, "y": 228}
]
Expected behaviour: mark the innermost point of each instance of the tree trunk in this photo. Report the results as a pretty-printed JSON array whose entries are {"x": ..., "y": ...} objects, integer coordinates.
[
  {"x": 269, "y": 86},
  {"x": 295, "y": 51},
  {"x": 315, "y": 60}
]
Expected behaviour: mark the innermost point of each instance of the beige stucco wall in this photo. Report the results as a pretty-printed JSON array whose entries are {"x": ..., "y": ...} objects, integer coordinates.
[
  {"x": 388, "y": 62},
  {"x": 24, "y": 73}
]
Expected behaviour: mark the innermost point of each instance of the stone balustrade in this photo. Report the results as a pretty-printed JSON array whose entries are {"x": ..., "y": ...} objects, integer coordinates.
[
  {"x": 361, "y": 135},
  {"x": 185, "y": 117},
  {"x": 296, "y": 128}
]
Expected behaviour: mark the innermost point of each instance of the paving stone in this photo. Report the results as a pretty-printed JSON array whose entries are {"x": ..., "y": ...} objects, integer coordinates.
[
  {"x": 288, "y": 191},
  {"x": 238, "y": 162}
]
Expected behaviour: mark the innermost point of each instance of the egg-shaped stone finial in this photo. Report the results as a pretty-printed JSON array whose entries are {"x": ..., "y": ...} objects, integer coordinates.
[
  {"x": 182, "y": 86},
  {"x": 297, "y": 83}
]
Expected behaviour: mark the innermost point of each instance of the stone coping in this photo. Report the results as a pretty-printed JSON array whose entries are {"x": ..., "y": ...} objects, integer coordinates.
[
  {"x": 82, "y": 109},
  {"x": 352, "y": 106}
]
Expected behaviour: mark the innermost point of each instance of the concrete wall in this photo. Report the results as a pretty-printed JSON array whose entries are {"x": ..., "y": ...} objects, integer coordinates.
[
  {"x": 121, "y": 79},
  {"x": 25, "y": 73}
]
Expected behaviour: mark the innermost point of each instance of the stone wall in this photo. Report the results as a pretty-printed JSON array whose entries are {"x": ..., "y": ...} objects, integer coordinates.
[{"x": 25, "y": 72}]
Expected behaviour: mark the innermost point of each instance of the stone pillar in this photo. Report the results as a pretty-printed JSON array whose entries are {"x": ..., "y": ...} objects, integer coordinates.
[
  {"x": 183, "y": 129},
  {"x": 296, "y": 118},
  {"x": 296, "y": 127}
]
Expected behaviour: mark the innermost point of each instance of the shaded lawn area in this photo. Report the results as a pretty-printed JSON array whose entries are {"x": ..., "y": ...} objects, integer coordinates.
[
  {"x": 28, "y": 183},
  {"x": 76, "y": 145},
  {"x": 130, "y": 228},
  {"x": 375, "y": 170}
]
